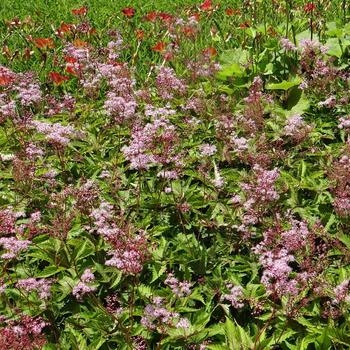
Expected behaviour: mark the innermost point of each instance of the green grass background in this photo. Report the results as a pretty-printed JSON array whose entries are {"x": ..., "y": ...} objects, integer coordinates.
[{"x": 99, "y": 10}]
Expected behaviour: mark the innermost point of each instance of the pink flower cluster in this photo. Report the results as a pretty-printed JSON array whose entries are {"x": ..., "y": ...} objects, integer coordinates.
[
  {"x": 13, "y": 246},
  {"x": 29, "y": 92},
  {"x": 276, "y": 272},
  {"x": 168, "y": 84},
  {"x": 277, "y": 250},
  {"x": 203, "y": 66},
  {"x": 340, "y": 175},
  {"x": 113, "y": 305},
  {"x": 41, "y": 286},
  {"x": 296, "y": 128},
  {"x": 207, "y": 150},
  {"x": 104, "y": 222},
  {"x": 240, "y": 144},
  {"x": 287, "y": 45},
  {"x": 344, "y": 123},
  {"x": 119, "y": 108},
  {"x": 262, "y": 188},
  {"x": 155, "y": 143},
  {"x": 55, "y": 133},
  {"x": 342, "y": 292},
  {"x": 7, "y": 222},
  {"x": 234, "y": 296},
  {"x": 24, "y": 334},
  {"x": 319, "y": 73},
  {"x": 57, "y": 106},
  {"x": 7, "y": 109},
  {"x": 180, "y": 289},
  {"x": 253, "y": 115},
  {"x": 129, "y": 251},
  {"x": 83, "y": 286},
  {"x": 157, "y": 316}
]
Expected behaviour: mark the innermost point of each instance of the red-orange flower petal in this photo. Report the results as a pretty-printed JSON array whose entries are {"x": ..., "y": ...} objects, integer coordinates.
[
  {"x": 82, "y": 11},
  {"x": 166, "y": 17},
  {"x": 139, "y": 34},
  {"x": 57, "y": 78},
  {"x": 129, "y": 12},
  {"x": 151, "y": 16},
  {"x": 80, "y": 43},
  {"x": 309, "y": 7},
  {"x": 5, "y": 80},
  {"x": 210, "y": 51},
  {"x": 44, "y": 43},
  {"x": 159, "y": 47},
  {"x": 207, "y": 5}
]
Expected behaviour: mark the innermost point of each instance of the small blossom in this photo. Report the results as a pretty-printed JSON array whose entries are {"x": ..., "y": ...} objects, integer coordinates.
[
  {"x": 82, "y": 287},
  {"x": 41, "y": 286},
  {"x": 13, "y": 246},
  {"x": 207, "y": 150},
  {"x": 342, "y": 292},
  {"x": 287, "y": 45},
  {"x": 234, "y": 296},
  {"x": 183, "y": 323}
]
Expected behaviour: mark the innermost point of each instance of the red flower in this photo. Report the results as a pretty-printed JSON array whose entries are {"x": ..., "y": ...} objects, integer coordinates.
[
  {"x": 168, "y": 56},
  {"x": 57, "y": 78},
  {"x": 206, "y": 5},
  {"x": 139, "y": 34},
  {"x": 309, "y": 7},
  {"x": 151, "y": 16},
  {"x": 129, "y": 12},
  {"x": 82, "y": 11},
  {"x": 231, "y": 12},
  {"x": 188, "y": 31},
  {"x": 196, "y": 15},
  {"x": 210, "y": 51},
  {"x": 44, "y": 43},
  {"x": 64, "y": 28},
  {"x": 159, "y": 47},
  {"x": 5, "y": 79},
  {"x": 71, "y": 70},
  {"x": 79, "y": 43},
  {"x": 70, "y": 59},
  {"x": 244, "y": 25},
  {"x": 165, "y": 16}
]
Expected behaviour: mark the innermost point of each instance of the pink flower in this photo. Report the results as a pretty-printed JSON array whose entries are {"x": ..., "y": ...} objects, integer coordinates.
[
  {"x": 55, "y": 133},
  {"x": 41, "y": 286},
  {"x": 82, "y": 287},
  {"x": 207, "y": 150},
  {"x": 13, "y": 246},
  {"x": 183, "y": 323},
  {"x": 180, "y": 289},
  {"x": 287, "y": 45},
  {"x": 342, "y": 292},
  {"x": 235, "y": 296},
  {"x": 26, "y": 333},
  {"x": 168, "y": 84}
]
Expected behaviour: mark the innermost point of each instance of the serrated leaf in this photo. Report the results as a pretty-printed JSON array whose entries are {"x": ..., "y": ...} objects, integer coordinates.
[
  {"x": 284, "y": 85},
  {"x": 49, "y": 271}
]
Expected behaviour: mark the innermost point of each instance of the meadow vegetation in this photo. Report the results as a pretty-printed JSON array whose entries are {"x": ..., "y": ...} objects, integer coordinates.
[{"x": 175, "y": 175}]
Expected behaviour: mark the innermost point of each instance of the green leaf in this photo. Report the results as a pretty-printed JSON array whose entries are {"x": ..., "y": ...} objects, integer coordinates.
[
  {"x": 334, "y": 48},
  {"x": 236, "y": 336},
  {"x": 284, "y": 85},
  {"x": 232, "y": 62},
  {"x": 157, "y": 271},
  {"x": 86, "y": 249},
  {"x": 300, "y": 108},
  {"x": 50, "y": 271}
]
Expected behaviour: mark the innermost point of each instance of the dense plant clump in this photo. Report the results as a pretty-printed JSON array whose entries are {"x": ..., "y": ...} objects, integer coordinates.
[{"x": 176, "y": 180}]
